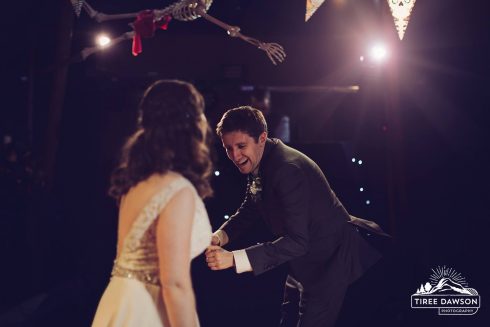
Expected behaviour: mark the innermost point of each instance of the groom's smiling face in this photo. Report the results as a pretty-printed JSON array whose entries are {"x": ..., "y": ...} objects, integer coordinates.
[{"x": 244, "y": 150}]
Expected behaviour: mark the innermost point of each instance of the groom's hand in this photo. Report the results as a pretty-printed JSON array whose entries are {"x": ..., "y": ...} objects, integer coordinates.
[{"x": 218, "y": 258}]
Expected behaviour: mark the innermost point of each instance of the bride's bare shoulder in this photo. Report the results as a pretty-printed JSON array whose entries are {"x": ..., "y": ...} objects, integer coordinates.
[
  {"x": 163, "y": 180},
  {"x": 151, "y": 186}
]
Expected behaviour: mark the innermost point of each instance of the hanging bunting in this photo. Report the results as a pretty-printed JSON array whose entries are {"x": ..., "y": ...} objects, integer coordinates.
[
  {"x": 77, "y": 6},
  {"x": 311, "y": 7},
  {"x": 401, "y": 10}
]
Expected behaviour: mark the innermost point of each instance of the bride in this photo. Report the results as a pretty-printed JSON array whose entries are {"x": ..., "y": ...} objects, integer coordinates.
[{"x": 163, "y": 175}]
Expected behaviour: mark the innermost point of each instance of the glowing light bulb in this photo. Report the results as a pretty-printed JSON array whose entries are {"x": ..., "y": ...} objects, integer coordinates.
[
  {"x": 103, "y": 40},
  {"x": 378, "y": 53}
]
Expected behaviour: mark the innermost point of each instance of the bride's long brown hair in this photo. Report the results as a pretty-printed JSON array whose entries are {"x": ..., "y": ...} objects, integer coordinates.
[{"x": 172, "y": 134}]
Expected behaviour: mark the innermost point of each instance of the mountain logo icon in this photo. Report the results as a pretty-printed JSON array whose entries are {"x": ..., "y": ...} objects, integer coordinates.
[{"x": 447, "y": 291}]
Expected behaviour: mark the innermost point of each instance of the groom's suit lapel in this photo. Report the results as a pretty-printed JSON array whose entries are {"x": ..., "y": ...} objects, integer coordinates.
[
  {"x": 266, "y": 167},
  {"x": 267, "y": 205}
]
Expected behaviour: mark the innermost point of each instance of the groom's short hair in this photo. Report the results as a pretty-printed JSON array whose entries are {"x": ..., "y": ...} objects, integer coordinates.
[{"x": 244, "y": 119}]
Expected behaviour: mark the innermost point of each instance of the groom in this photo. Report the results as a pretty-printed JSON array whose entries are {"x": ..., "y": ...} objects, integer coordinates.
[{"x": 314, "y": 234}]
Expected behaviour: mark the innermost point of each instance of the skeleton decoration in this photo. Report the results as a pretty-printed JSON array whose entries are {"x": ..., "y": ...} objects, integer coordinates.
[
  {"x": 183, "y": 10},
  {"x": 311, "y": 7},
  {"x": 401, "y": 10}
]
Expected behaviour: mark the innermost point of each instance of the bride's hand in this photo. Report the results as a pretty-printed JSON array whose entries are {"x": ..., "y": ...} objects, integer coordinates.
[{"x": 215, "y": 240}]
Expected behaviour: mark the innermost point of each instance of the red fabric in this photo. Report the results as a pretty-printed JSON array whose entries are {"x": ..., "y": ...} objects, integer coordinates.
[
  {"x": 144, "y": 26},
  {"x": 163, "y": 23},
  {"x": 137, "y": 46}
]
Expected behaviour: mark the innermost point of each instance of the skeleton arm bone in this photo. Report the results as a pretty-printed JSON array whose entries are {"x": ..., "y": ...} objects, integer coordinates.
[
  {"x": 90, "y": 51},
  {"x": 101, "y": 17},
  {"x": 273, "y": 50}
]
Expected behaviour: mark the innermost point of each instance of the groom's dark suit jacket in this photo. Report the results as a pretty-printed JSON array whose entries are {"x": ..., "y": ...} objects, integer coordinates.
[{"x": 314, "y": 233}]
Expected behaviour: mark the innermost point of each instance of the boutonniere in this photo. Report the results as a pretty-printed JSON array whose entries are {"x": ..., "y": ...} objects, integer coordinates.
[{"x": 256, "y": 188}]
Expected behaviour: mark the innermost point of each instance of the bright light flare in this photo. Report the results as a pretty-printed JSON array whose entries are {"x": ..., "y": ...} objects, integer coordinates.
[
  {"x": 378, "y": 53},
  {"x": 103, "y": 40}
]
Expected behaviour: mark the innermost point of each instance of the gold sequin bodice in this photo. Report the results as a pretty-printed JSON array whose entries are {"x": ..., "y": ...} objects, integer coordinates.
[{"x": 139, "y": 257}]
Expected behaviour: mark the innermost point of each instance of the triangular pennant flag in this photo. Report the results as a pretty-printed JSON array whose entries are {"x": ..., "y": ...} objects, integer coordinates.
[
  {"x": 401, "y": 10},
  {"x": 311, "y": 7},
  {"x": 77, "y": 6}
]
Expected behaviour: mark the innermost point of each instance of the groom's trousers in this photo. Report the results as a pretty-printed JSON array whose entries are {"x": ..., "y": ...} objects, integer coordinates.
[{"x": 315, "y": 306}]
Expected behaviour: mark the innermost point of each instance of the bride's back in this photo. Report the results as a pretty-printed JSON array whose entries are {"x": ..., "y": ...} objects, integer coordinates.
[{"x": 135, "y": 201}]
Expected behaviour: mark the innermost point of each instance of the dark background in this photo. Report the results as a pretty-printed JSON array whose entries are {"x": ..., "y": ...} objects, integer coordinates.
[{"x": 419, "y": 123}]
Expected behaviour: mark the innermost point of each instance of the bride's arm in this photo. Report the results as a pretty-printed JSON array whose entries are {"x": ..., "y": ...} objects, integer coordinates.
[{"x": 173, "y": 242}]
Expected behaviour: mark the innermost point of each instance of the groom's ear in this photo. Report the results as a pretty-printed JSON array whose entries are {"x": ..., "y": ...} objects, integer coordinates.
[{"x": 262, "y": 138}]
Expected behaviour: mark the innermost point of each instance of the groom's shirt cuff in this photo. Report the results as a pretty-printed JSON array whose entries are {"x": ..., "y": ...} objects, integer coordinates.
[{"x": 242, "y": 264}]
